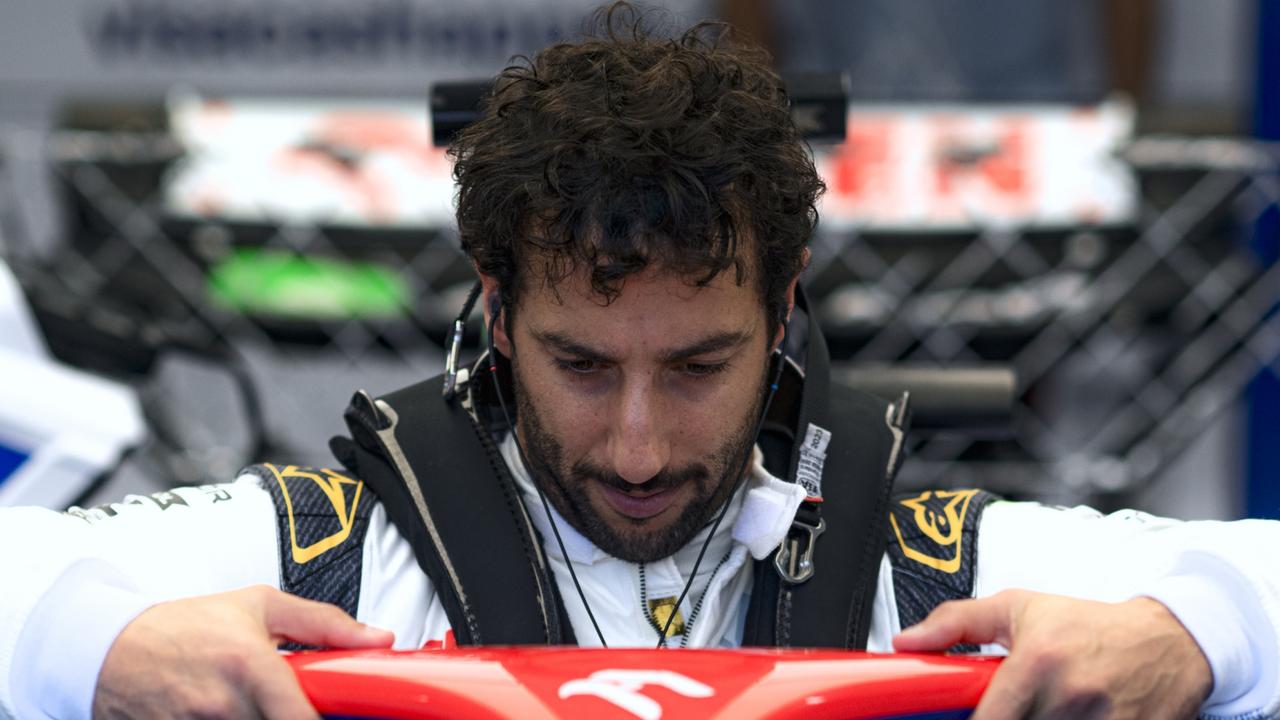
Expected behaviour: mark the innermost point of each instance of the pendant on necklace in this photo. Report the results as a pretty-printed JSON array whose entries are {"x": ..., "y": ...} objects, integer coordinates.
[{"x": 661, "y": 609}]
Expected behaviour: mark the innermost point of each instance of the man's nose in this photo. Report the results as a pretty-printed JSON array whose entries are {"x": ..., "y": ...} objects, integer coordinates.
[{"x": 638, "y": 445}]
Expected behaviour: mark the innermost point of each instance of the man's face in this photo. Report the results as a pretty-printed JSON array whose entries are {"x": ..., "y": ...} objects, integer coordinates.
[{"x": 637, "y": 416}]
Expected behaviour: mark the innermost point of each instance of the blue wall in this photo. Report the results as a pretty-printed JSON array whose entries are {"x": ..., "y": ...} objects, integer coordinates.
[{"x": 1262, "y": 462}]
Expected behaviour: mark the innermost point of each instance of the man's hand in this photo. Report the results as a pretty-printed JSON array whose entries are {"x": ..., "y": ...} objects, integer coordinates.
[
  {"x": 215, "y": 656},
  {"x": 1074, "y": 658}
]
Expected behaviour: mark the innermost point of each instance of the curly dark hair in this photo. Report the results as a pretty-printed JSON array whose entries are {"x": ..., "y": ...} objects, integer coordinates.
[{"x": 628, "y": 149}]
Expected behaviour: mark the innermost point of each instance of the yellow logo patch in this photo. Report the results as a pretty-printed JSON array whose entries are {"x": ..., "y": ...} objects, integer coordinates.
[
  {"x": 335, "y": 488},
  {"x": 661, "y": 610},
  {"x": 945, "y": 527}
]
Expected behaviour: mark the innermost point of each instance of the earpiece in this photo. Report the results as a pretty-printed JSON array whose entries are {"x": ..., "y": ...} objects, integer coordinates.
[
  {"x": 494, "y": 303},
  {"x": 784, "y": 322}
]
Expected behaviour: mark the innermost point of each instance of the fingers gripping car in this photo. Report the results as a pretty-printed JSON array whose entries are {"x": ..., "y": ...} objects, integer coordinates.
[{"x": 495, "y": 683}]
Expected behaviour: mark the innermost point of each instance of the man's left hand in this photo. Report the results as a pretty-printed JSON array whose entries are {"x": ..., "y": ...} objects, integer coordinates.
[{"x": 1073, "y": 658}]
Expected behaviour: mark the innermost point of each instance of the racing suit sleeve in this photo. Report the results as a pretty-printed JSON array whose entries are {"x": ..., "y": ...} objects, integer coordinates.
[
  {"x": 1219, "y": 579},
  {"x": 72, "y": 581}
]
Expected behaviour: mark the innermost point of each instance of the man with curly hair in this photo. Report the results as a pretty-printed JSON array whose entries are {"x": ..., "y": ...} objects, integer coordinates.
[{"x": 637, "y": 208}]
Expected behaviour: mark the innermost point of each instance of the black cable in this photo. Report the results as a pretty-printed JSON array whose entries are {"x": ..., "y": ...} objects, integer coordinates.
[
  {"x": 737, "y": 485},
  {"x": 493, "y": 371},
  {"x": 470, "y": 302}
]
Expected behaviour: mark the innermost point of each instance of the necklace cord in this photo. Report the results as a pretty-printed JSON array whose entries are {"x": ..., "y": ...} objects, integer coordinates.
[
  {"x": 697, "y": 607},
  {"x": 493, "y": 372},
  {"x": 742, "y": 475}
]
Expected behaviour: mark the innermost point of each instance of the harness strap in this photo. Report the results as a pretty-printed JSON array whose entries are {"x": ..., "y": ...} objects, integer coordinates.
[
  {"x": 446, "y": 488},
  {"x": 830, "y": 605}
]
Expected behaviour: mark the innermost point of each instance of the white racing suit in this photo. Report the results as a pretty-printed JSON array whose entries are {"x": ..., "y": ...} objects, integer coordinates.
[{"x": 72, "y": 582}]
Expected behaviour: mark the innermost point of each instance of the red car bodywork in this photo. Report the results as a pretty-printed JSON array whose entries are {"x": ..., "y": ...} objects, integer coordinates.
[{"x": 546, "y": 683}]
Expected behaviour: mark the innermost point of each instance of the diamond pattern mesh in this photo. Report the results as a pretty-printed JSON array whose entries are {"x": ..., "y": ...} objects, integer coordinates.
[{"x": 1126, "y": 342}]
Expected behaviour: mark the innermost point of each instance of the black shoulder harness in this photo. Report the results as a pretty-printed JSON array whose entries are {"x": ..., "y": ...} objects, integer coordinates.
[
  {"x": 433, "y": 464},
  {"x": 833, "y": 607},
  {"x": 448, "y": 491}
]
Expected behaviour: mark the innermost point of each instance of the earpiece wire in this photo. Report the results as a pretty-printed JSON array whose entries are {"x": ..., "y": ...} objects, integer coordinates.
[
  {"x": 742, "y": 476},
  {"x": 493, "y": 371}
]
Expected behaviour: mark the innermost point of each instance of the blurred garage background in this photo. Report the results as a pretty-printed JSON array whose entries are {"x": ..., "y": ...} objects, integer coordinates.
[{"x": 220, "y": 218}]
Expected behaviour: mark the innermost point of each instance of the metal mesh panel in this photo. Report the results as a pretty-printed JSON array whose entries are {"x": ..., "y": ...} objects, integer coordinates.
[{"x": 1126, "y": 341}]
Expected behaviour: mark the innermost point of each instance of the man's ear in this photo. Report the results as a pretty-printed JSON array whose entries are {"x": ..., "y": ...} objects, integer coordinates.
[
  {"x": 791, "y": 300},
  {"x": 491, "y": 302}
]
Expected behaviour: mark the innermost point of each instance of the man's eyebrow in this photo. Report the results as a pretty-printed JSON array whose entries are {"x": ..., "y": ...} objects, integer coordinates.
[
  {"x": 712, "y": 343},
  {"x": 564, "y": 344}
]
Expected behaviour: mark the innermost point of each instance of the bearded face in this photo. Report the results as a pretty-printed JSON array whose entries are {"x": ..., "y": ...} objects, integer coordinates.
[
  {"x": 638, "y": 522},
  {"x": 637, "y": 416}
]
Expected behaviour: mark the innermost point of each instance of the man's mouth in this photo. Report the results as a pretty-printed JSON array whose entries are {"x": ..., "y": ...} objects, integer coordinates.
[{"x": 638, "y": 506}]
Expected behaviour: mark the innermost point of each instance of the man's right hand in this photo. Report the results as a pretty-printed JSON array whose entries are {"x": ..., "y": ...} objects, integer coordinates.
[{"x": 216, "y": 656}]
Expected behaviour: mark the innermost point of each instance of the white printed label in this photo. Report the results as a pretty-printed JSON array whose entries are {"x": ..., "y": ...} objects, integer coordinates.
[{"x": 813, "y": 454}]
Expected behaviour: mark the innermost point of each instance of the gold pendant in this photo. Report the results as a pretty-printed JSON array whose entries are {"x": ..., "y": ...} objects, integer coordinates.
[{"x": 661, "y": 609}]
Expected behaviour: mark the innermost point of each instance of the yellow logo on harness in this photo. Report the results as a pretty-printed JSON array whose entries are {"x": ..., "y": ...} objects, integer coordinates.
[
  {"x": 945, "y": 529},
  {"x": 334, "y": 486}
]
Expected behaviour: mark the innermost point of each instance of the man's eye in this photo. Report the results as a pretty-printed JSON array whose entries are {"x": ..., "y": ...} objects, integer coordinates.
[
  {"x": 580, "y": 367},
  {"x": 704, "y": 369}
]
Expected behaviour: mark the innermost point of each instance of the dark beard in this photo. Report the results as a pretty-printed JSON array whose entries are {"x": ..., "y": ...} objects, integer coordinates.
[{"x": 546, "y": 456}]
